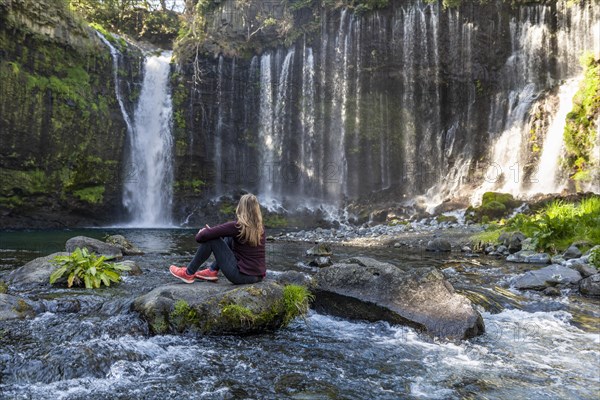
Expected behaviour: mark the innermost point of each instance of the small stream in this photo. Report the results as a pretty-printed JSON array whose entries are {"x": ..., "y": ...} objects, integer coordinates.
[{"x": 535, "y": 346}]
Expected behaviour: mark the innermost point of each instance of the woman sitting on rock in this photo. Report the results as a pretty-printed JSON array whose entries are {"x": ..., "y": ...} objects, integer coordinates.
[{"x": 238, "y": 247}]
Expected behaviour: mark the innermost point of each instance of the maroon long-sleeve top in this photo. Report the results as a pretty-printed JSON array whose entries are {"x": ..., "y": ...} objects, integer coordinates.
[{"x": 250, "y": 259}]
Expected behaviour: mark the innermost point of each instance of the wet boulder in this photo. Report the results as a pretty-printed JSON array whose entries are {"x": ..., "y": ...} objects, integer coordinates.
[
  {"x": 420, "y": 298},
  {"x": 127, "y": 248},
  {"x": 14, "y": 307},
  {"x": 590, "y": 286},
  {"x": 551, "y": 275},
  {"x": 530, "y": 257},
  {"x": 218, "y": 308},
  {"x": 93, "y": 246},
  {"x": 35, "y": 273},
  {"x": 320, "y": 262},
  {"x": 572, "y": 252},
  {"x": 439, "y": 245},
  {"x": 319, "y": 250}
]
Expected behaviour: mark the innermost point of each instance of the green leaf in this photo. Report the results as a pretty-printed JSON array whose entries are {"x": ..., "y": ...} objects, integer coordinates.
[
  {"x": 112, "y": 275},
  {"x": 57, "y": 274},
  {"x": 88, "y": 282},
  {"x": 92, "y": 271},
  {"x": 70, "y": 280},
  {"x": 105, "y": 279},
  {"x": 121, "y": 267},
  {"x": 96, "y": 281}
]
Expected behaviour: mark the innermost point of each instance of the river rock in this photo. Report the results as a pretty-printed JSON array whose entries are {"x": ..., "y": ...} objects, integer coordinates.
[
  {"x": 572, "y": 252},
  {"x": 527, "y": 256},
  {"x": 135, "y": 268},
  {"x": 93, "y": 246},
  {"x": 584, "y": 269},
  {"x": 551, "y": 275},
  {"x": 14, "y": 307},
  {"x": 366, "y": 262},
  {"x": 439, "y": 245},
  {"x": 420, "y": 298},
  {"x": 528, "y": 244},
  {"x": 320, "y": 262},
  {"x": 590, "y": 285},
  {"x": 319, "y": 250},
  {"x": 289, "y": 278},
  {"x": 213, "y": 308},
  {"x": 127, "y": 248},
  {"x": 35, "y": 273}
]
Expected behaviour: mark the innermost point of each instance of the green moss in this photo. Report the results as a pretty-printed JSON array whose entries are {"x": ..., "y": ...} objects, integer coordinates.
[
  {"x": 227, "y": 209},
  {"x": 275, "y": 221},
  {"x": 159, "y": 325},
  {"x": 451, "y": 219},
  {"x": 194, "y": 185},
  {"x": 3, "y": 287},
  {"x": 183, "y": 316},
  {"x": 23, "y": 183},
  {"x": 93, "y": 195},
  {"x": 580, "y": 132},
  {"x": 239, "y": 316}
]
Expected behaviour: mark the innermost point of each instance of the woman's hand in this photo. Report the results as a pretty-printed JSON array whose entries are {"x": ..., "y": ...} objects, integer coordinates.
[{"x": 205, "y": 226}]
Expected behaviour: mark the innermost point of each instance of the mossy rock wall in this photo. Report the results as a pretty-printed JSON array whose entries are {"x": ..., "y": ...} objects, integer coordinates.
[{"x": 61, "y": 128}]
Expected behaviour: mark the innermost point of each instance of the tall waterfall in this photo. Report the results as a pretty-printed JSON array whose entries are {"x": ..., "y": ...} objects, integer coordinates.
[{"x": 148, "y": 190}]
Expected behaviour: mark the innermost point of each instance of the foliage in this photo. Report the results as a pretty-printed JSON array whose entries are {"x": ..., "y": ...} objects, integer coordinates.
[
  {"x": 558, "y": 224},
  {"x": 580, "y": 132},
  {"x": 183, "y": 315},
  {"x": 83, "y": 267},
  {"x": 137, "y": 18},
  {"x": 595, "y": 257},
  {"x": 274, "y": 221},
  {"x": 296, "y": 301},
  {"x": 494, "y": 206},
  {"x": 3, "y": 287},
  {"x": 93, "y": 195}
]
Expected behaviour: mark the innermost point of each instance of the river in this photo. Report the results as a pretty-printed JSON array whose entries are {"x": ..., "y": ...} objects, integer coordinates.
[{"x": 535, "y": 346}]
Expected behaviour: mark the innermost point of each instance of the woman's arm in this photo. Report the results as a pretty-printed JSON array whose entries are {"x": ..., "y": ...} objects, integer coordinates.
[{"x": 223, "y": 230}]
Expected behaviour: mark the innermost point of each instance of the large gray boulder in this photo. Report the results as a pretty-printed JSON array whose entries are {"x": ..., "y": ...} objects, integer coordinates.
[
  {"x": 590, "y": 285},
  {"x": 13, "y": 307},
  {"x": 127, "y": 248},
  {"x": 551, "y": 275},
  {"x": 93, "y": 246},
  {"x": 530, "y": 257},
  {"x": 420, "y": 298},
  {"x": 35, "y": 273},
  {"x": 214, "y": 308}
]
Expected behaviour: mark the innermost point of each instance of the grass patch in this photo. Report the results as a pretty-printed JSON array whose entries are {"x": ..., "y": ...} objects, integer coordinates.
[
  {"x": 555, "y": 226},
  {"x": 296, "y": 301},
  {"x": 92, "y": 195}
]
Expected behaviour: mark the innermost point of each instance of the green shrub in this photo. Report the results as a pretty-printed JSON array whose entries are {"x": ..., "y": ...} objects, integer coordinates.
[
  {"x": 595, "y": 257},
  {"x": 83, "y": 267},
  {"x": 558, "y": 224}
]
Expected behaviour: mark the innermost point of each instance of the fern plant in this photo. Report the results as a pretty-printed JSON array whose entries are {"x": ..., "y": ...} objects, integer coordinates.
[{"x": 84, "y": 268}]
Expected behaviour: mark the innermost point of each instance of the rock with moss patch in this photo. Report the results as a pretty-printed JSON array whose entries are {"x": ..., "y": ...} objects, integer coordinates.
[
  {"x": 590, "y": 286},
  {"x": 420, "y": 298},
  {"x": 93, "y": 246},
  {"x": 35, "y": 273},
  {"x": 220, "y": 308},
  {"x": 13, "y": 307},
  {"x": 439, "y": 245},
  {"x": 319, "y": 250},
  {"x": 127, "y": 248}
]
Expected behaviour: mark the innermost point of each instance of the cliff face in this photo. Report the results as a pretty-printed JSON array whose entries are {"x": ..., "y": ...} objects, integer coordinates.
[
  {"x": 328, "y": 104},
  {"x": 61, "y": 130}
]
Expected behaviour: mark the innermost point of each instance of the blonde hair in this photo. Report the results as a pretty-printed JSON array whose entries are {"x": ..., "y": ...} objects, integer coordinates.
[{"x": 249, "y": 220}]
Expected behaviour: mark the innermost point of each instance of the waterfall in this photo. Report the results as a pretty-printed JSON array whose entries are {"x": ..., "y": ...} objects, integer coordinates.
[
  {"x": 218, "y": 146},
  {"x": 114, "y": 53},
  {"x": 413, "y": 101},
  {"x": 265, "y": 128},
  {"x": 307, "y": 120},
  {"x": 149, "y": 191},
  {"x": 545, "y": 178}
]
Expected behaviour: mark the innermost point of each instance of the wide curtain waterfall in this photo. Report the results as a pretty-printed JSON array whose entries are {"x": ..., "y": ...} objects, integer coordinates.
[{"x": 412, "y": 100}]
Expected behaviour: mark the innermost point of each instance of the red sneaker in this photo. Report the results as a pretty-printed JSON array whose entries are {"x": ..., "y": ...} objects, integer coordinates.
[
  {"x": 180, "y": 272},
  {"x": 207, "y": 275}
]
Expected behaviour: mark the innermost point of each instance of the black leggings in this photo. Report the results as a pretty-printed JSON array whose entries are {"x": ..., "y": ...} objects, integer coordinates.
[{"x": 225, "y": 261}]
